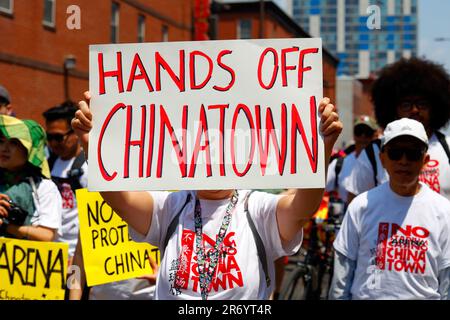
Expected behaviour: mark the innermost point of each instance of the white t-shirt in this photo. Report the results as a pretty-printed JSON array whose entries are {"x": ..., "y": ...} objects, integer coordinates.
[
  {"x": 130, "y": 289},
  {"x": 70, "y": 225},
  {"x": 344, "y": 175},
  {"x": 436, "y": 174},
  {"x": 48, "y": 206},
  {"x": 400, "y": 244},
  {"x": 239, "y": 275}
]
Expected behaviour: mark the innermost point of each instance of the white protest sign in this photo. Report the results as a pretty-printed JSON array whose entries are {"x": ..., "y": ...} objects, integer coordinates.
[{"x": 206, "y": 115}]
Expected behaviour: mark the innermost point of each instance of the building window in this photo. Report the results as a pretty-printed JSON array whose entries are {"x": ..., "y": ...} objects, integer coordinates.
[
  {"x": 49, "y": 13},
  {"x": 6, "y": 6},
  {"x": 244, "y": 29},
  {"x": 115, "y": 22},
  {"x": 141, "y": 28},
  {"x": 165, "y": 33}
]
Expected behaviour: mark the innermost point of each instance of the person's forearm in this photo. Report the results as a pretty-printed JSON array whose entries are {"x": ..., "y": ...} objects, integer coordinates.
[
  {"x": 343, "y": 274},
  {"x": 36, "y": 233},
  {"x": 79, "y": 280},
  {"x": 307, "y": 201},
  {"x": 444, "y": 284},
  {"x": 135, "y": 208}
]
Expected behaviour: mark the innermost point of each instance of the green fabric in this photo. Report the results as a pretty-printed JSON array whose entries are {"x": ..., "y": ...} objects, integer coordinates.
[
  {"x": 22, "y": 195},
  {"x": 31, "y": 135}
]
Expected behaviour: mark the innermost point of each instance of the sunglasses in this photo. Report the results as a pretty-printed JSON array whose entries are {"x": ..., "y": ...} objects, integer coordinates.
[
  {"x": 363, "y": 130},
  {"x": 396, "y": 154},
  {"x": 407, "y": 106},
  {"x": 58, "y": 137}
]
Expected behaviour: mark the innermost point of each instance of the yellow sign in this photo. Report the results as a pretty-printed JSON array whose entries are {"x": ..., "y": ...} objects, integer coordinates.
[
  {"x": 32, "y": 270},
  {"x": 108, "y": 252}
]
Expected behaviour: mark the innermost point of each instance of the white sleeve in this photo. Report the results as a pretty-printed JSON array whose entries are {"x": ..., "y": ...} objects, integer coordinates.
[
  {"x": 48, "y": 205},
  {"x": 347, "y": 239},
  {"x": 84, "y": 177},
  {"x": 444, "y": 284},
  {"x": 445, "y": 241},
  {"x": 263, "y": 210},
  {"x": 331, "y": 176},
  {"x": 160, "y": 221},
  {"x": 361, "y": 177},
  {"x": 343, "y": 275}
]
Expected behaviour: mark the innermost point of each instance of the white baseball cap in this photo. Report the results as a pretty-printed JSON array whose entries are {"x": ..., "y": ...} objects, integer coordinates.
[{"x": 404, "y": 127}]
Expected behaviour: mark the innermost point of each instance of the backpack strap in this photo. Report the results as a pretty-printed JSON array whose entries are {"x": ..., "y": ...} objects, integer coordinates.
[
  {"x": 73, "y": 175},
  {"x": 371, "y": 155},
  {"x": 173, "y": 224},
  {"x": 337, "y": 170},
  {"x": 259, "y": 243},
  {"x": 51, "y": 160},
  {"x": 76, "y": 171},
  {"x": 441, "y": 138}
]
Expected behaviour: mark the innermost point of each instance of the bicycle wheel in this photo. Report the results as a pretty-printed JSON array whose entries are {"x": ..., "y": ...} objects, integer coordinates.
[{"x": 297, "y": 285}]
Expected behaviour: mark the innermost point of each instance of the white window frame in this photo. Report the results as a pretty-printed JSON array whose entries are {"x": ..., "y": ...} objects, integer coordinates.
[
  {"x": 115, "y": 22},
  {"x": 141, "y": 28},
  {"x": 165, "y": 33},
  {"x": 239, "y": 28},
  {"x": 11, "y": 8},
  {"x": 52, "y": 23}
]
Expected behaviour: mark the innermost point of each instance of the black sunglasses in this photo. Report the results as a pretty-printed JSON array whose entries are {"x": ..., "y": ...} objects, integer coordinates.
[
  {"x": 58, "y": 137},
  {"x": 363, "y": 131},
  {"x": 396, "y": 154}
]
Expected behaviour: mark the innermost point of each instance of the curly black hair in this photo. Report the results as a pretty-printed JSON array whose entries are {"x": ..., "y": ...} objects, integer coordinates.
[{"x": 412, "y": 77}]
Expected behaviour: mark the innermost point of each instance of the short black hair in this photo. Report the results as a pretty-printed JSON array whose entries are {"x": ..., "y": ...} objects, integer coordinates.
[
  {"x": 412, "y": 77},
  {"x": 66, "y": 111}
]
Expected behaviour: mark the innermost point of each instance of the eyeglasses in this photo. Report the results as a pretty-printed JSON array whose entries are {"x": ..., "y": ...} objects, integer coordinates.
[
  {"x": 58, "y": 137},
  {"x": 396, "y": 154},
  {"x": 406, "y": 106},
  {"x": 363, "y": 130}
]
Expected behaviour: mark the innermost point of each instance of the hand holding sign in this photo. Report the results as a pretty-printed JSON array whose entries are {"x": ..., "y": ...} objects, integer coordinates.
[
  {"x": 151, "y": 278},
  {"x": 330, "y": 125},
  {"x": 82, "y": 123}
]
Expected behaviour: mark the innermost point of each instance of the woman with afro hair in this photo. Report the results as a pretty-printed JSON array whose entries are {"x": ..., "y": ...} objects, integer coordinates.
[{"x": 417, "y": 89}]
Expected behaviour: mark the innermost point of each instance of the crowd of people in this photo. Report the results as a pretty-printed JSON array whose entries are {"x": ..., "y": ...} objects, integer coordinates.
[{"x": 393, "y": 185}]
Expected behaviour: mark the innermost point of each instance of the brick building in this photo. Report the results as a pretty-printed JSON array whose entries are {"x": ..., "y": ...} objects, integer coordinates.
[
  {"x": 242, "y": 20},
  {"x": 37, "y": 37}
]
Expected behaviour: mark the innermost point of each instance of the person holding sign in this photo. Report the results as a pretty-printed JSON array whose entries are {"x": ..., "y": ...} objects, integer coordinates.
[
  {"x": 30, "y": 204},
  {"x": 207, "y": 237}
]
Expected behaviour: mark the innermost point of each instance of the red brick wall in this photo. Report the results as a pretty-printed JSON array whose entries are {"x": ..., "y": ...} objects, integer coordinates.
[{"x": 32, "y": 56}]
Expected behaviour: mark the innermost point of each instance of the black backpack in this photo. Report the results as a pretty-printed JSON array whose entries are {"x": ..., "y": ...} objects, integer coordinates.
[
  {"x": 340, "y": 163},
  {"x": 441, "y": 138},
  {"x": 371, "y": 155},
  {"x": 74, "y": 174},
  {"x": 259, "y": 243}
]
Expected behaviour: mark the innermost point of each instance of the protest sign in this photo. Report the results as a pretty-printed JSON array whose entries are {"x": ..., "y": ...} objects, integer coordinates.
[
  {"x": 108, "y": 252},
  {"x": 206, "y": 115},
  {"x": 32, "y": 270}
]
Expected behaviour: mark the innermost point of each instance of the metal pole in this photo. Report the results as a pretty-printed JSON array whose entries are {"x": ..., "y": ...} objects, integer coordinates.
[
  {"x": 261, "y": 19},
  {"x": 66, "y": 83}
]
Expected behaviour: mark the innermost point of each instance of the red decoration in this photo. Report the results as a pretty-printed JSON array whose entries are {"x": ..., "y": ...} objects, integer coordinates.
[{"x": 201, "y": 16}]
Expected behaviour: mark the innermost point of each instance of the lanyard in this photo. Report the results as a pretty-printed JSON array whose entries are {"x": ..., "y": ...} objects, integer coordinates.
[{"x": 206, "y": 269}]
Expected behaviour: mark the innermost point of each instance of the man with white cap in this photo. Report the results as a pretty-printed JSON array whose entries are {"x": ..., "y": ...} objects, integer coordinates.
[
  {"x": 5, "y": 102},
  {"x": 394, "y": 242}
]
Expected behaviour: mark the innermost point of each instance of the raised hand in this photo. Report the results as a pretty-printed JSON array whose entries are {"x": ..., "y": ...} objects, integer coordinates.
[{"x": 82, "y": 123}]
